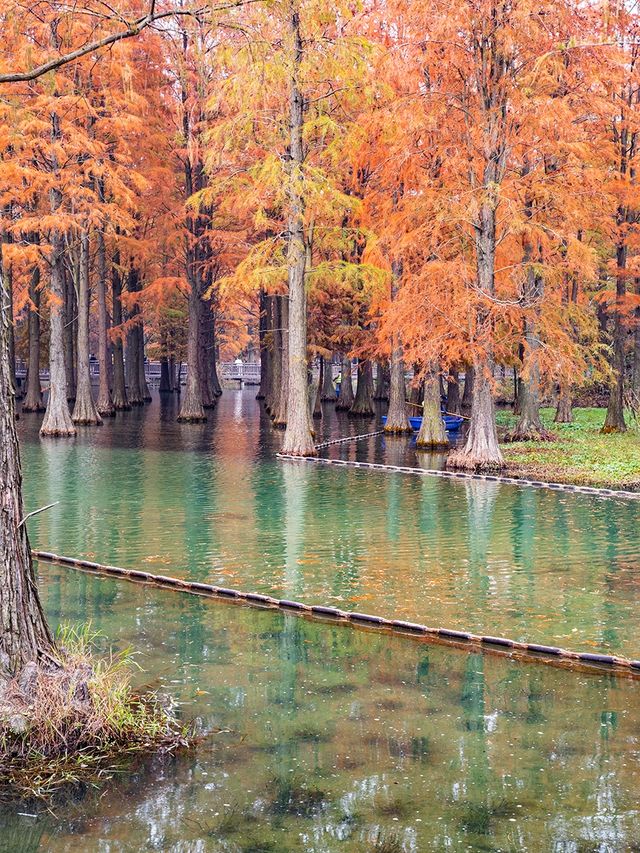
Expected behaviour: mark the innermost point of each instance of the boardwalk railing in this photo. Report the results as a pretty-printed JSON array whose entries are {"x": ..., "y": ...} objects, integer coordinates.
[{"x": 246, "y": 372}]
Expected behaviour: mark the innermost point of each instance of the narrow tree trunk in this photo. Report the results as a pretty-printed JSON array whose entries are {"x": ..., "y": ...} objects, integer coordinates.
[
  {"x": 380, "y": 392},
  {"x": 345, "y": 398},
  {"x": 362, "y": 404},
  {"x": 84, "y": 411},
  {"x": 12, "y": 337},
  {"x": 614, "y": 421},
  {"x": 216, "y": 386},
  {"x": 328, "y": 390},
  {"x": 69, "y": 333},
  {"x": 282, "y": 394},
  {"x": 264, "y": 333},
  {"x": 192, "y": 410},
  {"x": 467, "y": 394},
  {"x": 397, "y": 416},
  {"x": 25, "y": 635},
  {"x": 165, "y": 376},
  {"x": 120, "y": 399},
  {"x": 132, "y": 361},
  {"x": 33, "y": 398},
  {"x": 273, "y": 392},
  {"x": 432, "y": 433},
  {"x": 564, "y": 408},
  {"x": 298, "y": 437},
  {"x": 317, "y": 405},
  {"x": 205, "y": 352},
  {"x": 104, "y": 405},
  {"x": 142, "y": 378},
  {"x": 454, "y": 403}
]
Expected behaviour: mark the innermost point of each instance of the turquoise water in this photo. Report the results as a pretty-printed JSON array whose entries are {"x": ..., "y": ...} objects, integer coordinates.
[{"x": 324, "y": 738}]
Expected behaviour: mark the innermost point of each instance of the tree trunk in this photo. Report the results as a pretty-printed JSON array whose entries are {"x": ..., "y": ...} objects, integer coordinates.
[
  {"x": 273, "y": 391},
  {"x": 69, "y": 333},
  {"x": 397, "y": 416},
  {"x": 282, "y": 394},
  {"x": 25, "y": 635},
  {"x": 120, "y": 399},
  {"x": 132, "y": 362},
  {"x": 432, "y": 433},
  {"x": 362, "y": 404},
  {"x": 264, "y": 336},
  {"x": 564, "y": 408},
  {"x": 328, "y": 389},
  {"x": 12, "y": 337},
  {"x": 382, "y": 384},
  {"x": 84, "y": 411},
  {"x": 345, "y": 398},
  {"x": 205, "y": 355},
  {"x": 614, "y": 421},
  {"x": 216, "y": 387},
  {"x": 142, "y": 378},
  {"x": 104, "y": 405},
  {"x": 482, "y": 451},
  {"x": 33, "y": 398},
  {"x": 298, "y": 437},
  {"x": 317, "y": 405},
  {"x": 192, "y": 410},
  {"x": 57, "y": 418},
  {"x": 454, "y": 403},
  {"x": 467, "y": 394},
  {"x": 165, "y": 378}
]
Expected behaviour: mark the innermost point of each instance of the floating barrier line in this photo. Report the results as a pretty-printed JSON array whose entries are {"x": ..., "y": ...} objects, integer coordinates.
[
  {"x": 528, "y": 652},
  {"x": 348, "y": 438},
  {"x": 465, "y": 475}
]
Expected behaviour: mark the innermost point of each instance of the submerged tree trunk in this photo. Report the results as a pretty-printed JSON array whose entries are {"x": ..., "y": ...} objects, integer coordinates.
[
  {"x": 328, "y": 391},
  {"x": 33, "y": 397},
  {"x": 216, "y": 387},
  {"x": 317, "y": 405},
  {"x": 482, "y": 450},
  {"x": 209, "y": 399},
  {"x": 345, "y": 398},
  {"x": 104, "y": 405},
  {"x": 397, "y": 416},
  {"x": 382, "y": 390},
  {"x": 25, "y": 635},
  {"x": 84, "y": 411},
  {"x": 120, "y": 399},
  {"x": 362, "y": 405},
  {"x": 298, "y": 437},
  {"x": 282, "y": 395},
  {"x": 142, "y": 379},
  {"x": 614, "y": 421},
  {"x": 432, "y": 433},
  {"x": 454, "y": 403},
  {"x": 274, "y": 390},
  {"x": 467, "y": 394},
  {"x": 165, "y": 376},
  {"x": 192, "y": 410},
  {"x": 264, "y": 336},
  {"x": 135, "y": 392},
  {"x": 57, "y": 418}
]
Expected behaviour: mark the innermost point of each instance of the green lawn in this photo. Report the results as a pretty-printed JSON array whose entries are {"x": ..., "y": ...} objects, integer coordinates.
[{"x": 581, "y": 454}]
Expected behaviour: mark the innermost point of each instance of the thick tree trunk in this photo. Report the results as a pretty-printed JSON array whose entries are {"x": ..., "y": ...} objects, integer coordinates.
[
  {"x": 564, "y": 407},
  {"x": 328, "y": 390},
  {"x": 397, "y": 416},
  {"x": 205, "y": 355},
  {"x": 432, "y": 433},
  {"x": 84, "y": 411},
  {"x": 135, "y": 392},
  {"x": 33, "y": 398},
  {"x": 216, "y": 387},
  {"x": 298, "y": 437},
  {"x": 362, "y": 404},
  {"x": 192, "y": 410},
  {"x": 614, "y": 421},
  {"x": 382, "y": 391},
  {"x": 25, "y": 635},
  {"x": 120, "y": 399},
  {"x": 104, "y": 405},
  {"x": 264, "y": 336},
  {"x": 482, "y": 451},
  {"x": 345, "y": 398},
  {"x": 57, "y": 418}
]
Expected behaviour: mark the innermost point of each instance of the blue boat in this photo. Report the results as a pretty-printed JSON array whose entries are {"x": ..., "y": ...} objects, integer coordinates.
[{"x": 452, "y": 423}]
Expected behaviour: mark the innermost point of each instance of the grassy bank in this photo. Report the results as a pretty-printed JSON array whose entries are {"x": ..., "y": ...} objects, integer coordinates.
[
  {"x": 581, "y": 454},
  {"x": 75, "y": 722}
]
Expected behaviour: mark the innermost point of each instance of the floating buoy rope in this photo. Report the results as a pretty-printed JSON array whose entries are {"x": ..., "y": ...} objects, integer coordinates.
[{"x": 519, "y": 651}]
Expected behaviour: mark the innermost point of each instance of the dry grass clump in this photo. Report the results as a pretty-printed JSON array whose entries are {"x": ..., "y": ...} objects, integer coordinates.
[{"x": 76, "y": 720}]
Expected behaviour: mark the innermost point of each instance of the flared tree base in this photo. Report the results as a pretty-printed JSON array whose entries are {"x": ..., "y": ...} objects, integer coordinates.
[
  {"x": 26, "y": 407},
  {"x": 432, "y": 445},
  {"x": 461, "y": 461}
]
